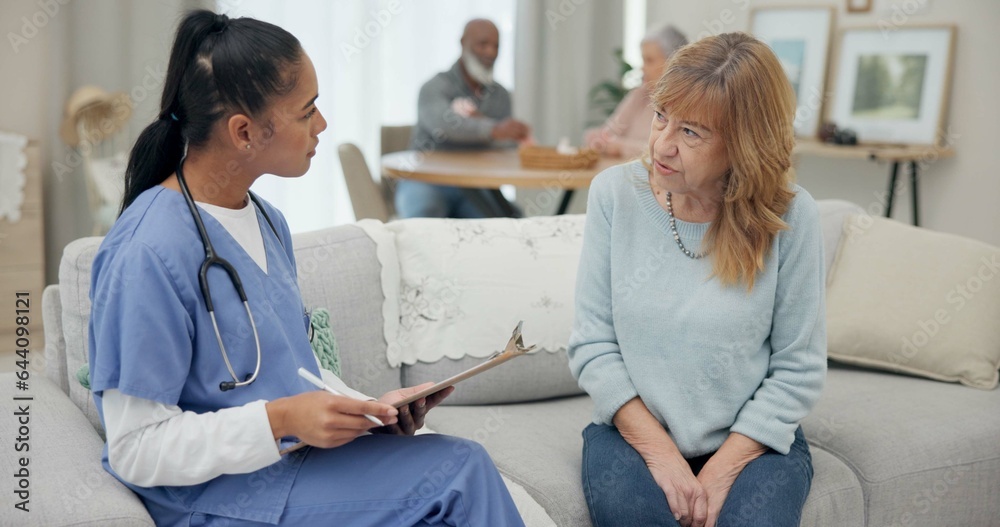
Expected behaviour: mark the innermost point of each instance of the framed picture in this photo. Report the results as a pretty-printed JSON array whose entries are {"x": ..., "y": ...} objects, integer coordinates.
[
  {"x": 892, "y": 87},
  {"x": 859, "y": 6},
  {"x": 800, "y": 37}
]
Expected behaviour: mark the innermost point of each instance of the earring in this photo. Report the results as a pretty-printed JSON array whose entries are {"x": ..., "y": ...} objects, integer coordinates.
[{"x": 248, "y": 146}]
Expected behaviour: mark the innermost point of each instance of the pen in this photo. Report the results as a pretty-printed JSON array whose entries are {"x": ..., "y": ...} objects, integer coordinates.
[{"x": 316, "y": 381}]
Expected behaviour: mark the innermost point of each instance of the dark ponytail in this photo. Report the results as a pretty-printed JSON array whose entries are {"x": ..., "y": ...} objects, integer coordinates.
[{"x": 217, "y": 67}]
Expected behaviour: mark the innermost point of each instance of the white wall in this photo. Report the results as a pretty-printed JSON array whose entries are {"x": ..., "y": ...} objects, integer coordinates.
[
  {"x": 119, "y": 45},
  {"x": 24, "y": 67},
  {"x": 958, "y": 195},
  {"x": 27, "y": 73}
]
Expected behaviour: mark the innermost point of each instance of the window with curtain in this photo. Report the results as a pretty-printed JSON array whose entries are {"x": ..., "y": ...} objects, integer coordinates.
[
  {"x": 371, "y": 57},
  {"x": 634, "y": 30}
]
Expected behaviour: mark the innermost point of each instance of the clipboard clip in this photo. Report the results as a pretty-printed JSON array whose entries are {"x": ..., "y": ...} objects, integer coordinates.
[{"x": 515, "y": 346}]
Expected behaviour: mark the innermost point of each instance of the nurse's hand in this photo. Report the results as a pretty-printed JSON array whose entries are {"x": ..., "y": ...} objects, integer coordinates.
[
  {"x": 324, "y": 420},
  {"x": 411, "y": 416}
]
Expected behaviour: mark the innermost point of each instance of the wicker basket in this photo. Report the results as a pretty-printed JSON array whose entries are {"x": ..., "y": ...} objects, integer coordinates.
[{"x": 546, "y": 158}]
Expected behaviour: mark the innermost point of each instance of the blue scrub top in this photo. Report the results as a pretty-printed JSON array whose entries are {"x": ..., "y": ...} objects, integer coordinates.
[{"x": 151, "y": 337}]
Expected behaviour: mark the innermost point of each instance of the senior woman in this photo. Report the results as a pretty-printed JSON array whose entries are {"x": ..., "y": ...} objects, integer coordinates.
[
  {"x": 699, "y": 330},
  {"x": 626, "y": 132}
]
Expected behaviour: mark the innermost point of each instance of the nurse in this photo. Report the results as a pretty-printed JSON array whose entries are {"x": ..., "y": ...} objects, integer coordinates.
[{"x": 241, "y": 95}]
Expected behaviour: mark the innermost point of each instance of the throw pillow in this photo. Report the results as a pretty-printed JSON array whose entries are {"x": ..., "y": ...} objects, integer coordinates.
[
  {"x": 913, "y": 301},
  {"x": 464, "y": 285},
  {"x": 323, "y": 341}
]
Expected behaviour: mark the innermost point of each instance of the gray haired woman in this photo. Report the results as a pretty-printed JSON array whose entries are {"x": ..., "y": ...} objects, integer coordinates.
[{"x": 626, "y": 132}]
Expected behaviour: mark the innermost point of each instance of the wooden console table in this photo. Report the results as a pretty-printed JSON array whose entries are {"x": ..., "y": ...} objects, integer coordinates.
[{"x": 895, "y": 154}]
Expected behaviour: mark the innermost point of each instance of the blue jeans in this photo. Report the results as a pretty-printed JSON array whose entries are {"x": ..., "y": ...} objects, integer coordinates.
[
  {"x": 620, "y": 490},
  {"x": 415, "y": 199}
]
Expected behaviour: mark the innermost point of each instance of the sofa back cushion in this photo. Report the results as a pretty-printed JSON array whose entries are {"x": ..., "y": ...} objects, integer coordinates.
[
  {"x": 915, "y": 301},
  {"x": 465, "y": 284},
  {"x": 339, "y": 271},
  {"x": 74, "y": 286},
  {"x": 832, "y": 213}
]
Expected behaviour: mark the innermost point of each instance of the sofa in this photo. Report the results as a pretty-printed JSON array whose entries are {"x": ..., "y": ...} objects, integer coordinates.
[{"x": 887, "y": 449}]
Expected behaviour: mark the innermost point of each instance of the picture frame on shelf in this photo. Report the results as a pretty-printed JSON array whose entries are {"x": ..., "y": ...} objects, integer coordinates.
[
  {"x": 894, "y": 87},
  {"x": 800, "y": 37}
]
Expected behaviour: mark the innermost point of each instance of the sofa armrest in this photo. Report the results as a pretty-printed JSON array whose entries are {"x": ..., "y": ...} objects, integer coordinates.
[
  {"x": 66, "y": 484},
  {"x": 55, "y": 341}
]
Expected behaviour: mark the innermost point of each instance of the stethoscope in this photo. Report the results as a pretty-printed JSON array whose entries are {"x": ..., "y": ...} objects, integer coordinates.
[{"x": 212, "y": 258}]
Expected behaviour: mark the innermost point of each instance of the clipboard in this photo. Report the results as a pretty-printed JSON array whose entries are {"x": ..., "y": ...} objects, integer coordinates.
[{"x": 514, "y": 348}]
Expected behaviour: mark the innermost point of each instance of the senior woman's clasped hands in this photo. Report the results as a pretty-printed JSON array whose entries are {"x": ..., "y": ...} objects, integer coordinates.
[{"x": 697, "y": 500}]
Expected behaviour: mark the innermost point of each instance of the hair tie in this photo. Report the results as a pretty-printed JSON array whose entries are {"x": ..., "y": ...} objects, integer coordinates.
[
  {"x": 220, "y": 23},
  {"x": 174, "y": 117}
]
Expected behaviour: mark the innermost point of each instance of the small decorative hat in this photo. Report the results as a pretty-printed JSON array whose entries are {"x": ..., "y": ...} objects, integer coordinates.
[{"x": 96, "y": 112}]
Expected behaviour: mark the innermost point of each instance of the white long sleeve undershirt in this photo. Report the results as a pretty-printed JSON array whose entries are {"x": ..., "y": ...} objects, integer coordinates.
[{"x": 152, "y": 444}]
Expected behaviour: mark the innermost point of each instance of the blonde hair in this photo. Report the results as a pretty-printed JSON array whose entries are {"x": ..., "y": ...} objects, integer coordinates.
[{"x": 734, "y": 84}]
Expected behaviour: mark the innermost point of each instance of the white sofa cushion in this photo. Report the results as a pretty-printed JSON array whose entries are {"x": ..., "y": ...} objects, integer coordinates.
[
  {"x": 911, "y": 300},
  {"x": 464, "y": 285}
]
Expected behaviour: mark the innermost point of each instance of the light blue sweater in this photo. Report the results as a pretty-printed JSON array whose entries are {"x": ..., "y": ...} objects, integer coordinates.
[{"x": 706, "y": 359}]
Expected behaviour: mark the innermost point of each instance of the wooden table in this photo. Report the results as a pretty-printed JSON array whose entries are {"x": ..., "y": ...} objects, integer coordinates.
[
  {"x": 488, "y": 169},
  {"x": 895, "y": 154}
]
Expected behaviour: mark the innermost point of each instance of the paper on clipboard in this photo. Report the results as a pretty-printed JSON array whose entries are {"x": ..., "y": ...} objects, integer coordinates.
[{"x": 514, "y": 348}]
